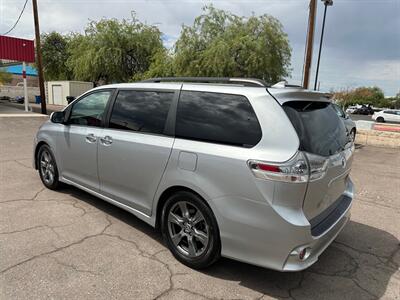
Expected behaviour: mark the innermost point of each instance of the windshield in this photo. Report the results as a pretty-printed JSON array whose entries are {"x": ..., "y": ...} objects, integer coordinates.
[{"x": 318, "y": 126}]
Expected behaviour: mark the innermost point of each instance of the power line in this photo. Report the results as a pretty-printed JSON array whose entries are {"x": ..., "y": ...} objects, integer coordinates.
[{"x": 20, "y": 15}]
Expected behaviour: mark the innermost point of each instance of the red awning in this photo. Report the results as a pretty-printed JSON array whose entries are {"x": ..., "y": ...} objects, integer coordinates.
[{"x": 17, "y": 49}]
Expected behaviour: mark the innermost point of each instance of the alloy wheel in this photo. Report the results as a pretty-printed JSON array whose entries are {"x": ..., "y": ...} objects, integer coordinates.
[
  {"x": 353, "y": 135},
  {"x": 47, "y": 169},
  {"x": 188, "y": 229}
]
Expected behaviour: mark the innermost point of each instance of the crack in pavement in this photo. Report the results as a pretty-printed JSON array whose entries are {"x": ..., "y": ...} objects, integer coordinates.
[
  {"x": 298, "y": 286},
  {"x": 356, "y": 267},
  {"x": 73, "y": 267},
  {"x": 74, "y": 204},
  {"x": 23, "y": 230},
  {"x": 14, "y": 160},
  {"x": 382, "y": 258},
  {"x": 354, "y": 280},
  {"x": 154, "y": 257},
  {"x": 374, "y": 203},
  {"x": 148, "y": 256},
  {"x": 56, "y": 249},
  {"x": 21, "y": 164},
  {"x": 190, "y": 292}
]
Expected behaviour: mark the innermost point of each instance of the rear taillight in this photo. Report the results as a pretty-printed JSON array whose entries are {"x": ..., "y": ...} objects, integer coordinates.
[
  {"x": 301, "y": 168},
  {"x": 294, "y": 170}
]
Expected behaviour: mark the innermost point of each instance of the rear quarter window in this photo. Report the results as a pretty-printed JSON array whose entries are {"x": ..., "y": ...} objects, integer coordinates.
[{"x": 217, "y": 118}]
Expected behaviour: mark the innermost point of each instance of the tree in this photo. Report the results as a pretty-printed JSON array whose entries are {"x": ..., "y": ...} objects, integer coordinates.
[
  {"x": 5, "y": 77},
  {"x": 161, "y": 65},
  {"x": 55, "y": 56},
  {"x": 113, "y": 51},
  {"x": 361, "y": 95},
  {"x": 222, "y": 44}
]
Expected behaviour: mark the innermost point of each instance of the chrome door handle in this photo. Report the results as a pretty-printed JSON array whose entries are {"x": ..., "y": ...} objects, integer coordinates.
[
  {"x": 106, "y": 141},
  {"x": 90, "y": 138}
]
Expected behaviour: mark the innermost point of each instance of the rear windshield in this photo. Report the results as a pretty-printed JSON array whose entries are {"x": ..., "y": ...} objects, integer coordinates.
[{"x": 318, "y": 126}]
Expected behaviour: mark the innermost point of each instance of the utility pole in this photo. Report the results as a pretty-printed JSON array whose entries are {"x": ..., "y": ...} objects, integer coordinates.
[
  {"x": 39, "y": 58},
  {"x": 326, "y": 3},
  {"x": 310, "y": 43},
  {"x": 26, "y": 100}
]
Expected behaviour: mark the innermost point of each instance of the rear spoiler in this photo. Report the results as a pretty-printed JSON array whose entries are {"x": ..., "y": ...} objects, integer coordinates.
[{"x": 283, "y": 95}]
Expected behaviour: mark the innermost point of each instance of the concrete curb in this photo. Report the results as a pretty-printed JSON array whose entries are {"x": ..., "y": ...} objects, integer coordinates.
[{"x": 378, "y": 138}]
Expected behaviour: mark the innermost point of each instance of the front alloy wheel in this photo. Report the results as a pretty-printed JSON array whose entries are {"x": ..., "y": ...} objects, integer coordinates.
[
  {"x": 48, "y": 168},
  {"x": 353, "y": 135}
]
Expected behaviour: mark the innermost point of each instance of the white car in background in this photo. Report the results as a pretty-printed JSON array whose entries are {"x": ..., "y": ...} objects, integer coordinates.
[
  {"x": 388, "y": 115},
  {"x": 351, "y": 109}
]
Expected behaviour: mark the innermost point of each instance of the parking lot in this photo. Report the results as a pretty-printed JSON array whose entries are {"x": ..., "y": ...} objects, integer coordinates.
[{"x": 69, "y": 244}]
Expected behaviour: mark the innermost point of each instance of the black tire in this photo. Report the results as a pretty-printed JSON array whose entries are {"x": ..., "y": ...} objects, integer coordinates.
[
  {"x": 380, "y": 119},
  {"x": 207, "y": 254},
  {"x": 51, "y": 183}
]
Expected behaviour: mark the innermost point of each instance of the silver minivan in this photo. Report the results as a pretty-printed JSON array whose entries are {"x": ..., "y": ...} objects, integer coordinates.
[{"x": 223, "y": 166}]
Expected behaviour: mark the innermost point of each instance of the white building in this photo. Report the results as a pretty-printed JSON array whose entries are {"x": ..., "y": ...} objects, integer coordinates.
[{"x": 57, "y": 91}]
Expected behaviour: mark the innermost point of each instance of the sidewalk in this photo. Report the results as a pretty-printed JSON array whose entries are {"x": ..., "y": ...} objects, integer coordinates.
[{"x": 7, "y": 110}]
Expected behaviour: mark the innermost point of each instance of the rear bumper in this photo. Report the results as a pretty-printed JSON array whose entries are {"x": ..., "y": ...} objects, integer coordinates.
[
  {"x": 324, "y": 229},
  {"x": 255, "y": 233},
  {"x": 317, "y": 246}
]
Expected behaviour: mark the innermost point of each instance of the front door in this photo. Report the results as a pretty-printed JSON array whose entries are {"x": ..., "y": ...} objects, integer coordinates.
[
  {"x": 133, "y": 150},
  {"x": 79, "y": 141}
]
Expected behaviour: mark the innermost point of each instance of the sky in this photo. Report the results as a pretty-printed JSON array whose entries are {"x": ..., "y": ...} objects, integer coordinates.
[{"x": 361, "y": 43}]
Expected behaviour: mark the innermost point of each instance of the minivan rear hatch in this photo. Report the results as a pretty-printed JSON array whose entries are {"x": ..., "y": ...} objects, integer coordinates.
[{"x": 325, "y": 142}]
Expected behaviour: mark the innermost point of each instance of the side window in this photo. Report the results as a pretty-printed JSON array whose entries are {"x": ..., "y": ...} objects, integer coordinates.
[
  {"x": 144, "y": 111},
  {"x": 219, "y": 118},
  {"x": 90, "y": 110}
]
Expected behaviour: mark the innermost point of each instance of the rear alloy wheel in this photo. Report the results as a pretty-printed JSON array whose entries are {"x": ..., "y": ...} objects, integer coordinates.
[
  {"x": 190, "y": 230},
  {"x": 380, "y": 119},
  {"x": 48, "y": 168}
]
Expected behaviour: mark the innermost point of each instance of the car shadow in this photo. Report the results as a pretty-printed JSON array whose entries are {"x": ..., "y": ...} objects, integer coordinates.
[{"x": 358, "y": 265}]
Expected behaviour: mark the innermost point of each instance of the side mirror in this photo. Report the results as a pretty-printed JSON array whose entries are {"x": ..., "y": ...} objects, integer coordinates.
[{"x": 57, "y": 117}]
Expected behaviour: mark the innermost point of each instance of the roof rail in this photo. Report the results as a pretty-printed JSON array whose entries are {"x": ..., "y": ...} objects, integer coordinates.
[{"x": 224, "y": 80}]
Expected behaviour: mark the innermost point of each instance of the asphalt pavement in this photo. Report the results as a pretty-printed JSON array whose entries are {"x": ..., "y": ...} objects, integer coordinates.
[
  {"x": 71, "y": 245},
  {"x": 361, "y": 117}
]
